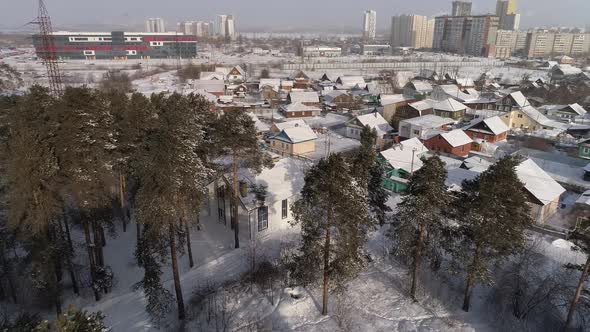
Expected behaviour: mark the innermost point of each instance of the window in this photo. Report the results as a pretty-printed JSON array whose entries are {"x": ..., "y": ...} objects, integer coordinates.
[
  {"x": 416, "y": 132},
  {"x": 520, "y": 116},
  {"x": 262, "y": 218},
  {"x": 284, "y": 208},
  {"x": 586, "y": 150},
  {"x": 221, "y": 215}
]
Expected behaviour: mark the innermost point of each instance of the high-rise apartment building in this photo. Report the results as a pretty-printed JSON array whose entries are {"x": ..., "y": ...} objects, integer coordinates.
[
  {"x": 225, "y": 26},
  {"x": 546, "y": 43},
  {"x": 155, "y": 25},
  {"x": 462, "y": 8},
  {"x": 369, "y": 24},
  {"x": 186, "y": 27},
  {"x": 509, "y": 43},
  {"x": 506, "y": 12},
  {"x": 202, "y": 29},
  {"x": 412, "y": 31},
  {"x": 475, "y": 35}
]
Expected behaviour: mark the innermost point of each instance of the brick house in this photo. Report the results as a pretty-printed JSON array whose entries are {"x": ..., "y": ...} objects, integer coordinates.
[{"x": 491, "y": 129}]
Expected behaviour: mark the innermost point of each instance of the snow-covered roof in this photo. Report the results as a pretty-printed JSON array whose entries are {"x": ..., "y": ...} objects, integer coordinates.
[
  {"x": 300, "y": 107},
  {"x": 465, "y": 82},
  {"x": 456, "y": 138},
  {"x": 350, "y": 82},
  {"x": 423, "y": 104},
  {"x": 272, "y": 82},
  {"x": 414, "y": 144},
  {"x": 456, "y": 176},
  {"x": 284, "y": 180},
  {"x": 210, "y": 75},
  {"x": 587, "y": 168},
  {"x": 332, "y": 94},
  {"x": 298, "y": 134},
  {"x": 291, "y": 123},
  {"x": 578, "y": 109},
  {"x": 567, "y": 70},
  {"x": 584, "y": 199},
  {"x": 260, "y": 126},
  {"x": 519, "y": 99},
  {"x": 209, "y": 85},
  {"x": 428, "y": 121},
  {"x": 540, "y": 118},
  {"x": 422, "y": 87},
  {"x": 375, "y": 121},
  {"x": 454, "y": 92},
  {"x": 494, "y": 123},
  {"x": 210, "y": 97},
  {"x": 239, "y": 69},
  {"x": 304, "y": 97},
  {"x": 449, "y": 105},
  {"x": 477, "y": 164},
  {"x": 402, "y": 159},
  {"x": 538, "y": 183},
  {"x": 392, "y": 99}
]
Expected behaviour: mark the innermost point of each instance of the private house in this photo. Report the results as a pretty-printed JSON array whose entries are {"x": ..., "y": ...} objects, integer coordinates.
[
  {"x": 391, "y": 104},
  {"x": 399, "y": 164},
  {"x": 270, "y": 94},
  {"x": 300, "y": 110},
  {"x": 561, "y": 72},
  {"x": 236, "y": 74},
  {"x": 420, "y": 127},
  {"x": 530, "y": 119},
  {"x": 287, "y": 85},
  {"x": 412, "y": 110},
  {"x": 584, "y": 149},
  {"x": 581, "y": 209},
  {"x": 449, "y": 108},
  {"x": 274, "y": 83},
  {"x": 418, "y": 89},
  {"x": 456, "y": 176},
  {"x": 211, "y": 75},
  {"x": 296, "y": 140},
  {"x": 428, "y": 74},
  {"x": 300, "y": 80},
  {"x": 543, "y": 193},
  {"x": 214, "y": 87},
  {"x": 277, "y": 127},
  {"x": 237, "y": 90},
  {"x": 307, "y": 98},
  {"x": 454, "y": 142},
  {"x": 338, "y": 99},
  {"x": 564, "y": 113},
  {"x": 515, "y": 100},
  {"x": 349, "y": 82},
  {"x": 261, "y": 127},
  {"x": 491, "y": 129},
  {"x": 260, "y": 217},
  {"x": 374, "y": 121}
]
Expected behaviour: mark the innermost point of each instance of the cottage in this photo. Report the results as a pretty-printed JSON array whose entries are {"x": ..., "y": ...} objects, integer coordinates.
[
  {"x": 530, "y": 119},
  {"x": 454, "y": 142},
  {"x": 564, "y": 113},
  {"x": 543, "y": 192},
  {"x": 413, "y": 110},
  {"x": 260, "y": 217},
  {"x": 210, "y": 75},
  {"x": 300, "y": 79},
  {"x": 300, "y": 110},
  {"x": 515, "y": 100},
  {"x": 349, "y": 82},
  {"x": 443, "y": 92},
  {"x": 392, "y": 103},
  {"x": 237, "y": 90},
  {"x": 560, "y": 72},
  {"x": 449, "y": 108},
  {"x": 491, "y": 129},
  {"x": 476, "y": 164},
  {"x": 308, "y": 98},
  {"x": 236, "y": 74},
  {"x": 374, "y": 121},
  {"x": 338, "y": 99},
  {"x": 399, "y": 164},
  {"x": 420, "y": 126},
  {"x": 274, "y": 83},
  {"x": 214, "y": 87},
  {"x": 296, "y": 140},
  {"x": 584, "y": 149},
  {"x": 418, "y": 89}
]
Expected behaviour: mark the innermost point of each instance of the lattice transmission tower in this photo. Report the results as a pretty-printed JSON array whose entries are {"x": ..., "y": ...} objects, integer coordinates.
[{"x": 46, "y": 51}]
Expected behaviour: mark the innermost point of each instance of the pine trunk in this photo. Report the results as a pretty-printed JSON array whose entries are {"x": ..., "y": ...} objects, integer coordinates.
[
  {"x": 572, "y": 309},
  {"x": 91, "y": 258},
  {"x": 96, "y": 230},
  {"x": 122, "y": 199},
  {"x": 7, "y": 269},
  {"x": 184, "y": 222},
  {"x": 177, "y": 287},
  {"x": 326, "y": 265},
  {"x": 68, "y": 235},
  {"x": 235, "y": 203},
  {"x": 138, "y": 235},
  {"x": 470, "y": 279},
  {"x": 69, "y": 255},
  {"x": 417, "y": 261}
]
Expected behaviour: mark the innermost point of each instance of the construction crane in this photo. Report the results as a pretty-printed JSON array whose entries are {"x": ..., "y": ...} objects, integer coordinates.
[{"x": 47, "y": 50}]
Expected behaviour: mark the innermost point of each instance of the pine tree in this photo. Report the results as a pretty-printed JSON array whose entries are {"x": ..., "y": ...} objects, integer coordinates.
[
  {"x": 234, "y": 134},
  {"x": 581, "y": 237},
  {"x": 420, "y": 219},
  {"x": 493, "y": 214},
  {"x": 370, "y": 173},
  {"x": 83, "y": 145},
  {"x": 171, "y": 173},
  {"x": 334, "y": 218},
  {"x": 33, "y": 191},
  {"x": 75, "y": 320}
]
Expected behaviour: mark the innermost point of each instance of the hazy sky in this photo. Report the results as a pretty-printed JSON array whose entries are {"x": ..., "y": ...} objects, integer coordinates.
[{"x": 276, "y": 13}]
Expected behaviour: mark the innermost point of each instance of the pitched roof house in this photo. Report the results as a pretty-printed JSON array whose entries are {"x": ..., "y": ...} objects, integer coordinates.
[
  {"x": 374, "y": 121},
  {"x": 300, "y": 110},
  {"x": 491, "y": 129},
  {"x": 449, "y": 108},
  {"x": 295, "y": 140},
  {"x": 454, "y": 142},
  {"x": 420, "y": 127}
]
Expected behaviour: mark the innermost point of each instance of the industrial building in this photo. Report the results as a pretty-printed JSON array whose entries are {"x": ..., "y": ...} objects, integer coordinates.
[{"x": 119, "y": 45}]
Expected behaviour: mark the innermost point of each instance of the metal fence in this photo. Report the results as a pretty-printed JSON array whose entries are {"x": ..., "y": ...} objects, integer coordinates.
[{"x": 393, "y": 65}]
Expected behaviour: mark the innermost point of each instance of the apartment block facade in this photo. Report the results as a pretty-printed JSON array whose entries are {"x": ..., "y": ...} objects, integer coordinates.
[
  {"x": 474, "y": 35},
  {"x": 412, "y": 31}
]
